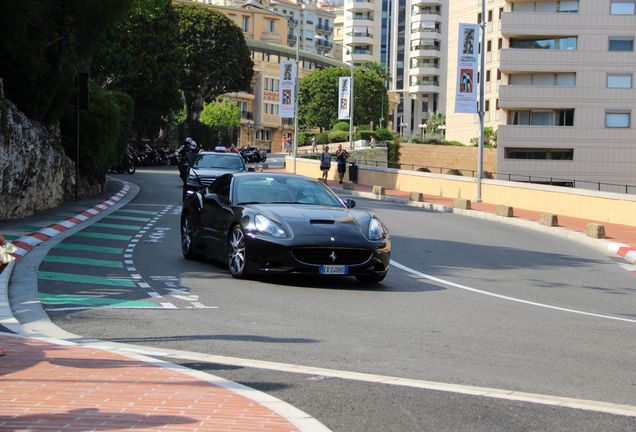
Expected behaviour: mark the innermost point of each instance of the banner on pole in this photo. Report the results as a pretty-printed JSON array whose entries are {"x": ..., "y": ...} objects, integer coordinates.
[
  {"x": 286, "y": 89},
  {"x": 344, "y": 98},
  {"x": 467, "y": 57}
]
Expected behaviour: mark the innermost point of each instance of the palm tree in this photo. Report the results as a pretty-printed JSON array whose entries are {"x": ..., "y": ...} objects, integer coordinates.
[{"x": 379, "y": 69}]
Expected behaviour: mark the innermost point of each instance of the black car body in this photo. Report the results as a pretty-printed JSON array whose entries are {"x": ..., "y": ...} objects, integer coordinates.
[
  {"x": 207, "y": 166},
  {"x": 253, "y": 155},
  {"x": 283, "y": 223}
]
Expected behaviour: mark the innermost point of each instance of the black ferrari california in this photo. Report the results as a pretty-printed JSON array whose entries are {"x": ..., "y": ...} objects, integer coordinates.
[{"x": 262, "y": 223}]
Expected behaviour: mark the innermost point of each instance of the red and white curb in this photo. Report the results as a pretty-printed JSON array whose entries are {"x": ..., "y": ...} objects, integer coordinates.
[
  {"x": 626, "y": 252},
  {"x": 25, "y": 243}
]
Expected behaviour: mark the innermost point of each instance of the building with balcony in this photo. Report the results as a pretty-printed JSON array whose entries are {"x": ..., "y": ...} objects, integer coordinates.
[
  {"x": 315, "y": 24},
  {"x": 560, "y": 90},
  {"x": 266, "y": 36}
]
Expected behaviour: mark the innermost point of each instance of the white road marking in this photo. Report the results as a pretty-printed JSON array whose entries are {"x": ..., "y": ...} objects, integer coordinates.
[
  {"x": 200, "y": 305},
  {"x": 168, "y": 306},
  {"x": 129, "y": 262},
  {"x": 143, "y": 285},
  {"x": 503, "y": 297},
  {"x": 489, "y": 392}
]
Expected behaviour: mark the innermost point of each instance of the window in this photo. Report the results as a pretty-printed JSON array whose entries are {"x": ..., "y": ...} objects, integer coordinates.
[
  {"x": 487, "y": 106},
  {"x": 490, "y": 15},
  {"x": 617, "y": 119},
  {"x": 497, "y": 104},
  {"x": 489, "y": 46},
  {"x": 501, "y": 11},
  {"x": 246, "y": 24},
  {"x": 621, "y": 43},
  {"x": 569, "y": 6},
  {"x": 500, "y": 43},
  {"x": 498, "y": 74},
  {"x": 617, "y": 80},
  {"x": 563, "y": 6},
  {"x": 271, "y": 26},
  {"x": 563, "y": 117},
  {"x": 479, "y": 18},
  {"x": 561, "y": 43},
  {"x": 487, "y": 76},
  {"x": 539, "y": 153},
  {"x": 564, "y": 79},
  {"x": 623, "y": 7}
]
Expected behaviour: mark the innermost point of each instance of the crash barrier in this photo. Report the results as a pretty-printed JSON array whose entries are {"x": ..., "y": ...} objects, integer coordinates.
[{"x": 580, "y": 203}]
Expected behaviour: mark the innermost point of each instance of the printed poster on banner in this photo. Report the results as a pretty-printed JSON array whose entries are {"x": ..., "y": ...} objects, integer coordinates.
[
  {"x": 468, "y": 52},
  {"x": 344, "y": 98},
  {"x": 286, "y": 89}
]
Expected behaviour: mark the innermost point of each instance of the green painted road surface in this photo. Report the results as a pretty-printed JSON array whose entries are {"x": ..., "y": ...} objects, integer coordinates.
[
  {"x": 10, "y": 237},
  {"x": 86, "y": 279},
  {"x": 127, "y": 218},
  {"x": 61, "y": 299},
  {"x": 144, "y": 212},
  {"x": 117, "y": 226},
  {"x": 82, "y": 261},
  {"x": 89, "y": 248},
  {"x": 102, "y": 236}
]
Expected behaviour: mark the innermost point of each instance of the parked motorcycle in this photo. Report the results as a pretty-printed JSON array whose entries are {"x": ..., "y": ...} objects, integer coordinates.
[
  {"x": 253, "y": 155},
  {"x": 126, "y": 165}
]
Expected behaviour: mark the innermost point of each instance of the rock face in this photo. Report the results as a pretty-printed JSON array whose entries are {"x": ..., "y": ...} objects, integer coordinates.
[{"x": 35, "y": 173}]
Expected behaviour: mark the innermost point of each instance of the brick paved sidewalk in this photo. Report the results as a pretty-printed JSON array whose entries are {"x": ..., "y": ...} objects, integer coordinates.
[{"x": 47, "y": 387}]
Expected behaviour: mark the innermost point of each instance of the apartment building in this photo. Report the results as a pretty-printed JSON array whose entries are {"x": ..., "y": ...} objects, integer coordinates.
[
  {"x": 559, "y": 88},
  {"x": 314, "y": 24},
  {"x": 266, "y": 34},
  {"x": 409, "y": 38}
]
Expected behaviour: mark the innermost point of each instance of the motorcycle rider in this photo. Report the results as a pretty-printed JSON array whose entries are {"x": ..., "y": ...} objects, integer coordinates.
[{"x": 187, "y": 153}]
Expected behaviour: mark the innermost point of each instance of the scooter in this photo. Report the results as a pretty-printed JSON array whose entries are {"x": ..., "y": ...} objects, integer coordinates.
[{"x": 253, "y": 155}]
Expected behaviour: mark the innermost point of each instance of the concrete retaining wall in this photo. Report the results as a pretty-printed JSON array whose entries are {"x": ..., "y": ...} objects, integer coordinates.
[
  {"x": 580, "y": 203},
  {"x": 461, "y": 158}
]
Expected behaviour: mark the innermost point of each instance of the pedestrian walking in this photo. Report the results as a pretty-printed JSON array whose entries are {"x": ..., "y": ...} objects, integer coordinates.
[
  {"x": 325, "y": 163},
  {"x": 372, "y": 141},
  {"x": 314, "y": 144},
  {"x": 341, "y": 158},
  {"x": 289, "y": 145}
]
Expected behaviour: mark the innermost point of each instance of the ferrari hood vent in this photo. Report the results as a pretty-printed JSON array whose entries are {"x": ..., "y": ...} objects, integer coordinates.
[{"x": 322, "y": 221}]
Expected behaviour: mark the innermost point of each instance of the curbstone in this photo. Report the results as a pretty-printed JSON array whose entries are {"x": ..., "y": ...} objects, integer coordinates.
[
  {"x": 549, "y": 219},
  {"x": 505, "y": 211},
  {"x": 416, "y": 196},
  {"x": 595, "y": 230},
  {"x": 460, "y": 203},
  {"x": 378, "y": 190}
]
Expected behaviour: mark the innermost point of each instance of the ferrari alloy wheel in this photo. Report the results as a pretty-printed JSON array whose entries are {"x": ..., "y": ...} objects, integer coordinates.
[
  {"x": 236, "y": 253},
  {"x": 187, "y": 248}
]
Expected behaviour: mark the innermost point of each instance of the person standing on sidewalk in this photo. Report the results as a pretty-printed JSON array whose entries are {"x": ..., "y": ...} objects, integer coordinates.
[
  {"x": 341, "y": 158},
  {"x": 325, "y": 163},
  {"x": 313, "y": 144}
]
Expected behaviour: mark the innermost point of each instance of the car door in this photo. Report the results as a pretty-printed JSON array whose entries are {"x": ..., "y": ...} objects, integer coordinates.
[{"x": 217, "y": 215}]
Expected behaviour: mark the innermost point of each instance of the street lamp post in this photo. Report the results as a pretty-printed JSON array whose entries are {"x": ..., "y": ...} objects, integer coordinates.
[
  {"x": 480, "y": 153},
  {"x": 422, "y": 127},
  {"x": 291, "y": 22},
  {"x": 402, "y": 126}
]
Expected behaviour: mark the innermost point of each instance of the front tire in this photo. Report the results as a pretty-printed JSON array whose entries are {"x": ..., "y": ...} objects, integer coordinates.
[
  {"x": 187, "y": 238},
  {"x": 236, "y": 253}
]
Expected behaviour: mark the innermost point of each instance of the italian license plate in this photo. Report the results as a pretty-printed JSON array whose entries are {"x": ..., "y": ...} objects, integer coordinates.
[{"x": 334, "y": 269}]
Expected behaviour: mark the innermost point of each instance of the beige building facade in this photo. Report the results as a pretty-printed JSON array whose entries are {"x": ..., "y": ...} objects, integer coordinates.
[{"x": 559, "y": 89}]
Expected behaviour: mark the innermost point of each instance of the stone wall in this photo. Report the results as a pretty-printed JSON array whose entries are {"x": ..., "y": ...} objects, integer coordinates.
[
  {"x": 448, "y": 157},
  {"x": 35, "y": 173}
]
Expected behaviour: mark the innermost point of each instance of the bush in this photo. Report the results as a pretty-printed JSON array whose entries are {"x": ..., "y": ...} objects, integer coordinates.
[
  {"x": 454, "y": 172},
  {"x": 453, "y": 143},
  {"x": 322, "y": 138},
  {"x": 364, "y": 127},
  {"x": 433, "y": 138},
  {"x": 394, "y": 153},
  {"x": 365, "y": 135},
  {"x": 383, "y": 135},
  {"x": 342, "y": 126},
  {"x": 304, "y": 138},
  {"x": 105, "y": 128},
  {"x": 423, "y": 169},
  {"x": 416, "y": 138},
  {"x": 336, "y": 136}
]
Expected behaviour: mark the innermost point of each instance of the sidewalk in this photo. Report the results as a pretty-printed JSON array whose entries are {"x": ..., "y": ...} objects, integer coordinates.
[
  {"x": 53, "y": 385},
  {"x": 48, "y": 387}
]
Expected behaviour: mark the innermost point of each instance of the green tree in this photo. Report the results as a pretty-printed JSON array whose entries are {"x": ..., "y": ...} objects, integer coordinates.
[
  {"x": 379, "y": 69},
  {"x": 490, "y": 138},
  {"x": 141, "y": 57},
  {"x": 221, "y": 113},
  {"x": 437, "y": 119},
  {"x": 43, "y": 43},
  {"x": 216, "y": 59},
  {"x": 318, "y": 97}
]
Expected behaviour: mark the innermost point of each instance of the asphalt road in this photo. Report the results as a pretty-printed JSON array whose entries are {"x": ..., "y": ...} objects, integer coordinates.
[{"x": 480, "y": 304}]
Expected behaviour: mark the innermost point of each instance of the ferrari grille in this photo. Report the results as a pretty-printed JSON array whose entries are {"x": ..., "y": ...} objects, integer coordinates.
[{"x": 317, "y": 256}]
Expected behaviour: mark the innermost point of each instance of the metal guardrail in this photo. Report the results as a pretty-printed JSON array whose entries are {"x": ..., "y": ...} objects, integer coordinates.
[{"x": 521, "y": 178}]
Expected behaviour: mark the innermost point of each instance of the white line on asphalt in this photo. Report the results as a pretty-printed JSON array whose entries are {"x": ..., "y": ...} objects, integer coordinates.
[
  {"x": 489, "y": 392},
  {"x": 503, "y": 297}
]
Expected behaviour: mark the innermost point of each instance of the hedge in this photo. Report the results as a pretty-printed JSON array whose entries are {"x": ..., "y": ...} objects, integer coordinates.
[
  {"x": 342, "y": 126},
  {"x": 383, "y": 135},
  {"x": 338, "y": 136},
  {"x": 365, "y": 135}
]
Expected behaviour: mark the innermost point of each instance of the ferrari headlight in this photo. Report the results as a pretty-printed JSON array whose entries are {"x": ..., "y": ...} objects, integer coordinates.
[
  {"x": 263, "y": 225},
  {"x": 376, "y": 230}
]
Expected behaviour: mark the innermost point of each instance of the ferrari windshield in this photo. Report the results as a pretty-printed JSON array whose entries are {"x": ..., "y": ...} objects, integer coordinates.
[
  {"x": 282, "y": 189},
  {"x": 226, "y": 161}
]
